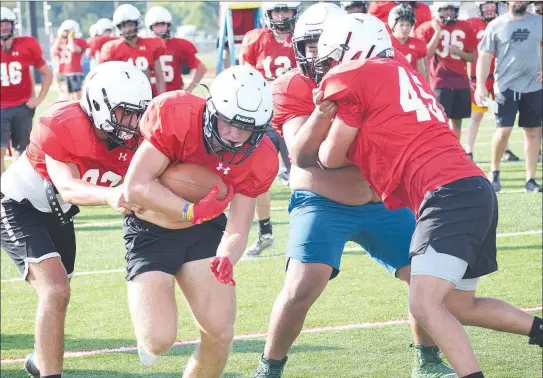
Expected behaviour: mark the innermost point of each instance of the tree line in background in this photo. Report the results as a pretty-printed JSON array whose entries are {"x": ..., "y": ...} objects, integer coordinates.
[{"x": 202, "y": 14}]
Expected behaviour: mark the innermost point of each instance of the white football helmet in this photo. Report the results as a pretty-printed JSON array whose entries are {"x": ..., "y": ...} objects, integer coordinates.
[
  {"x": 111, "y": 86},
  {"x": 349, "y": 6},
  {"x": 240, "y": 97},
  {"x": 105, "y": 24},
  {"x": 69, "y": 25},
  {"x": 309, "y": 28},
  {"x": 158, "y": 15},
  {"x": 441, "y": 5},
  {"x": 488, "y": 16},
  {"x": 127, "y": 13},
  {"x": 93, "y": 30},
  {"x": 351, "y": 37},
  {"x": 284, "y": 26},
  {"x": 7, "y": 15}
]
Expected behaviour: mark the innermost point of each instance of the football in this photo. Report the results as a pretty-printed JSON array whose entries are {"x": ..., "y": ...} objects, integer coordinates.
[{"x": 191, "y": 182}]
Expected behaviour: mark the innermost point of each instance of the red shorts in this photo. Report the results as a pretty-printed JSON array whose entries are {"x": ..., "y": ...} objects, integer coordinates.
[{"x": 489, "y": 87}]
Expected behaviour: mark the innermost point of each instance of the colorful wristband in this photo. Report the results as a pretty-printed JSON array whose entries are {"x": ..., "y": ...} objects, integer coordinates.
[{"x": 188, "y": 211}]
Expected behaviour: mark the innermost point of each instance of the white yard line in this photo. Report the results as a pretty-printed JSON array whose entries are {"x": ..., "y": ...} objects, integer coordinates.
[
  {"x": 245, "y": 258},
  {"x": 132, "y": 348}
]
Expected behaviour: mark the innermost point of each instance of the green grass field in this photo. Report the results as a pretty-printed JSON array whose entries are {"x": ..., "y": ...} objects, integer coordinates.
[{"x": 362, "y": 295}]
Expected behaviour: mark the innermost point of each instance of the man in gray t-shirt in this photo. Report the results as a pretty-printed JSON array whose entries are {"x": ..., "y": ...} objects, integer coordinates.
[{"x": 516, "y": 40}]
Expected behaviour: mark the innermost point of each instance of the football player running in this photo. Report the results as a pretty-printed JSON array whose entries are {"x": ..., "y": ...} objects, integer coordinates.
[
  {"x": 387, "y": 116},
  {"x": 78, "y": 154},
  {"x": 327, "y": 209},
  {"x": 269, "y": 50},
  {"x": 144, "y": 53},
  {"x": 195, "y": 244},
  {"x": 401, "y": 20},
  {"x": 17, "y": 101},
  {"x": 179, "y": 51},
  {"x": 451, "y": 43}
]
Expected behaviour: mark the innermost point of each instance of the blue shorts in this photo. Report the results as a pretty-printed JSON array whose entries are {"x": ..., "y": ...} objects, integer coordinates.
[{"x": 319, "y": 229}]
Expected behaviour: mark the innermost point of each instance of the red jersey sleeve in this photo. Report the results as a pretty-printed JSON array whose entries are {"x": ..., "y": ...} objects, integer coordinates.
[
  {"x": 264, "y": 165},
  {"x": 159, "y": 48},
  {"x": 423, "y": 13},
  {"x": 106, "y": 53},
  {"x": 53, "y": 140},
  {"x": 37, "y": 54},
  {"x": 82, "y": 44},
  {"x": 336, "y": 87},
  {"x": 381, "y": 9},
  {"x": 249, "y": 46},
  {"x": 161, "y": 126},
  {"x": 470, "y": 43},
  {"x": 292, "y": 97},
  {"x": 188, "y": 53},
  {"x": 425, "y": 32}
]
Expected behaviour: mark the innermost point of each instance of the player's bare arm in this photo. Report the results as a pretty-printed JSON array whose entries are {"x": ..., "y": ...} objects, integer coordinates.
[
  {"x": 160, "y": 83},
  {"x": 432, "y": 45},
  {"x": 236, "y": 234},
  {"x": 199, "y": 73},
  {"x": 467, "y": 56},
  {"x": 482, "y": 71},
  {"x": 332, "y": 152},
  {"x": 47, "y": 79},
  {"x": 421, "y": 68},
  {"x": 72, "y": 189}
]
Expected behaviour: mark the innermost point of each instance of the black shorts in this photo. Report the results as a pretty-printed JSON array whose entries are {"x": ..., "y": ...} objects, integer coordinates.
[
  {"x": 152, "y": 248},
  {"x": 456, "y": 102},
  {"x": 74, "y": 82},
  {"x": 17, "y": 123},
  {"x": 460, "y": 219},
  {"x": 528, "y": 105},
  {"x": 29, "y": 235}
]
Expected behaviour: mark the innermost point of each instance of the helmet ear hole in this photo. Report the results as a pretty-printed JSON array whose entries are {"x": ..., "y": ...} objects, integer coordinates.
[{"x": 96, "y": 105}]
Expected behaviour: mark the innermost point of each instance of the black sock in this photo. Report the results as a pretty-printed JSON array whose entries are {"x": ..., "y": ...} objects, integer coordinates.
[
  {"x": 265, "y": 226},
  {"x": 51, "y": 376},
  {"x": 474, "y": 375},
  {"x": 536, "y": 333}
]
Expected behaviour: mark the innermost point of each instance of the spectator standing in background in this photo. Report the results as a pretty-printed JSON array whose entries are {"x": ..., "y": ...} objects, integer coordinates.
[
  {"x": 451, "y": 43},
  {"x": 17, "y": 101},
  {"x": 515, "y": 39}
]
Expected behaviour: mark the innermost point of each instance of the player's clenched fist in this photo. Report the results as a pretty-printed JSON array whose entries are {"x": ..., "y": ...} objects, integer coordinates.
[
  {"x": 208, "y": 207},
  {"x": 222, "y": 269}
]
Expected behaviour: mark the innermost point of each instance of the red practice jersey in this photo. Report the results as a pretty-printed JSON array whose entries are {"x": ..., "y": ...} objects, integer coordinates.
[
  {"x": 479, "y": 26},
  {"x": 17, "y": 83},
  {"x": 179, "y": 52},
  {"x": 70, "y": 62},
  {"x": 66, "y": 133},
  {"x": 183, "y": 142},
  {"x": 143, "y": 55},
  {"x": 292, "y": 97},
  {"x": 404, "y": 147},
  {"x": 95, "y": 43},
  {"x": 381, "y": 9},
  {"x": 413, "y": 49},
  {"x": 269, "y": 57},
  {"x": 446, "y": 70}
]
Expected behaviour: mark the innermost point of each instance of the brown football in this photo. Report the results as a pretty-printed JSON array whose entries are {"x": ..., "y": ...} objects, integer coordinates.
[{"x": 191, "y": 182}]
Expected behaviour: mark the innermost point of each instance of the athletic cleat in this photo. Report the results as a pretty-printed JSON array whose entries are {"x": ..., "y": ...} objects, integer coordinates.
[
  {"x": 263, "y": 242},
  {"x": 428, "y": 364},
  {"x": 494, "y": 178},
  {"x": 270, "y": 368},
  {"x": 532, "y": 186},
  {"x": 147, "y": 358},
  {"x": 31, "y": 366},
  {"x": 508, "y": 155}
]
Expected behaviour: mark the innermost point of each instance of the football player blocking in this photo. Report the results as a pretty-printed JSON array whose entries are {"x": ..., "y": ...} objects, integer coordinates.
[
  {"x": 80, "y": 150},
  {"x": 198, "y": 247},
  {"x": 454, "y": 243},
  {"x": 18, "y": 100}
]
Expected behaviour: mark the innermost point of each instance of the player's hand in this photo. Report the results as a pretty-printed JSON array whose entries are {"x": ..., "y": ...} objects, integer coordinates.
[
  {"x": 210, "y": 206},
  {"x": 540, "y": 76},
  {"x": 33, "y": 103},
  {"x": 480, "y": 95},
  {"x": 71, "y": 34},
  {"x": 117, "y": 202},
  {"x": 453, "y": 49},
  {"x": 222, "y": 269},
  {"x": 326, "y": 108},
  {"x": 435, "y": 24}
]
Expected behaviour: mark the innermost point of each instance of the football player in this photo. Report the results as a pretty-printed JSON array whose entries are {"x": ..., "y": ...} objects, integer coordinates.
[
  {"x": 195, "y": 244},
  {"x": 142, "y": 52},
  {"x": 104, "y": 34},
  {"x": 269, "y": 50},
  {"x": 78, "y": 154},
  {"x": 17, "y": 101},
  {"x": 355, "y": 6},
  {"x": 403, "y": 129},
  {"x": 93, "y": 33},
  {"x": 400, "y": 21},
  {"x": 68, "y": 52},
  {"x": 179, "y": 52},
  {"x": 381, "y": 10},
  {"x": 323, "y": 200},
  {"x": 537, "y": 8},
  {"x": 451, "y": 44}
]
